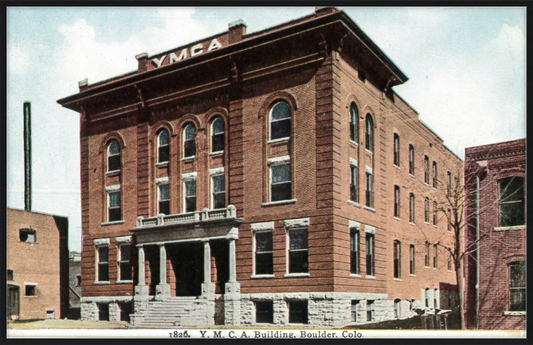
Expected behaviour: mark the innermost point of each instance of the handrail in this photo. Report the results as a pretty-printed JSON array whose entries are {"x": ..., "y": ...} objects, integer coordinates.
[{"x": 189, "y": 217}]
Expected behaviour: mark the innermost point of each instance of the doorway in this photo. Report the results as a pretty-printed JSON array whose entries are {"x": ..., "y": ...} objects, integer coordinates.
[{"x": 13, "y": 301}]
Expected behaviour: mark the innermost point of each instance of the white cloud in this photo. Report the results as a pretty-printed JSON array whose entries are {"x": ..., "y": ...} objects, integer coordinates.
[{"x": 19, "y": 59}]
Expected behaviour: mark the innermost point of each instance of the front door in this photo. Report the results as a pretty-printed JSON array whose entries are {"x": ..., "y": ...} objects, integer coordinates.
[{"x": 12, "y": 301}]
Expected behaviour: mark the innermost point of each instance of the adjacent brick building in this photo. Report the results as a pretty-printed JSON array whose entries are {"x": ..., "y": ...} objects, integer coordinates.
[
  {"x": 271, "y": 178},
  {"x": 37, "y": 265},
  {"x": 496, "y": 195}
]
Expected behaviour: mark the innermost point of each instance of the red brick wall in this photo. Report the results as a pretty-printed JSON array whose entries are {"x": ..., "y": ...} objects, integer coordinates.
[{"x": 498, "y": 247}]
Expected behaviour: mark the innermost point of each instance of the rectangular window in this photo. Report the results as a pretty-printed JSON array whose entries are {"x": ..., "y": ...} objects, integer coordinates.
[
  {"x": 436, "y": 299},
  {"x": 517, "y": 286},
  {"x": 298, "y": 312},
  {"x": 397, "y": 259},
  {"x": 426, "y": 210},
  {"x": 449, "y": 186},
  {"x": 103, "y": 263},
  {"x": 78, "y": 280},
  {"x": 219, "y": 191},
  {"x": 435, "y": 213},
  {"x": 435, "y": 256},
  {"x": 427, "y": 254},
  {"x": 397, "y": 308},
  {"x": 114, "y": 207},
  {"x": 369, "y": 254},
  {"x": 125, "y": 311},
  {"x": 411, "y": 208},
  {"x": 28, "y": 235},
  {"x": 355, "y": 303},
  {"x": 9, "y": 274},
  {"x": 412, "y": 259},
  {"x": 190, "y": 196},
  {"x": 298, "y": 252},
  {"x": 449, "y": 220},
  {"x": 281, "y": 182},
  {"x": 353, "y": 183},
  {"x": 164, "y": 199},
  {"x": 369, "y": 310},
  {"x": 354, "y": 251},
  {"x": 397, "y": 201},
  {"x": 369, "y": 201},
  {"x": 124, "y": 263},
  {"x": 449, "y": 262},
  {"x": 263, "y": 253},
  {"x": 512, "y": 201},
  {"x": 29, "y": 290},
  {"x": 264, "y": 312}
]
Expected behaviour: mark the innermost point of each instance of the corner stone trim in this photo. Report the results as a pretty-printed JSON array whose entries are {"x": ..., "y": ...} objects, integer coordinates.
[{"x": 297, "y": 223}]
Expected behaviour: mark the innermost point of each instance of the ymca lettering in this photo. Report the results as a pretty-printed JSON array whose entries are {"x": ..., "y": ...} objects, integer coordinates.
[{"x": 196, "y": 49}]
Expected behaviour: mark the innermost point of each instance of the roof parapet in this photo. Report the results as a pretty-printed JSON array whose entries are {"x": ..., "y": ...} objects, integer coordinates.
[
  {"x": 142, "y": 59},
  {"x": 237, "y": 29}
]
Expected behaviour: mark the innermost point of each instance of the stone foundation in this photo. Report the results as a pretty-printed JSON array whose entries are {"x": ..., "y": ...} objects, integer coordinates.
[{"x": 89, "y": 307}]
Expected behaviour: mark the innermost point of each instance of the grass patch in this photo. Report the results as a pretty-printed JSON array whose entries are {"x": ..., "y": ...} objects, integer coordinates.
[{"x": 74, "y": 324}]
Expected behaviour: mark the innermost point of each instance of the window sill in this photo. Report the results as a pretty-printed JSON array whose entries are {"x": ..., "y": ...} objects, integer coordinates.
[
  {"x": 188, "y": 158},
  {"x": 354, "y": 143},
  {"x": 262, "y": 276},
  {"x": 397, "y": 279},
  {"x": 514, "y": 313},
  {"x": 370, "y": 277},
  {"x": 281, "y": 202},
  {"x": 216, "y": 153},
  {"x": 161, "y": 164},
  {"x": 510, "y": 228},
  {"x": 396, "y": 218},
  {"x": 280, "y": 140},
  {"x": 296, "y": 275},
  {"x": 412, "y": 223},
  {"x": 396, "y": 166},
  {"x": 124, "y": 281},
  {"x": 355, "y": 275},
  {"x": 102, "y": 283},
  {"x": 368, "y": 151},
  {"x": 353, "y": 203},
  {"x": 412, "y": 275},
  {"x": 413, "y": 176},
  {"x": 112, "y": 172},
  {"x": 31, "y": 296},
  {"x": 113, "y": 223},
  {"x": 369, "y": 209}
]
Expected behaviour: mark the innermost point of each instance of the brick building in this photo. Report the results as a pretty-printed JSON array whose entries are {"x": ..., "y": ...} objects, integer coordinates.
[
  {"x": 36, "y": 291},
  {"x": 496, "y": 177},
  {"x": 270, "y": 178},
  {"x": 74, "y": 273}
]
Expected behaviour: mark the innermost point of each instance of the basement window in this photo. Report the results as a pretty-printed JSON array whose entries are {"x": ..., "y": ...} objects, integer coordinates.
[
  {"x": 9, "y": 274},
  {"x": 103, "y": 311},
  {"x": 27, "y": 235},
  {"x": 298, "y": 312},
  {"x": 264, "y": 312}
]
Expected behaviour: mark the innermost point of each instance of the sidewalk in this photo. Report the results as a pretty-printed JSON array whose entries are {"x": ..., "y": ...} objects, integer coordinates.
[{"x": 73, "y": 324}]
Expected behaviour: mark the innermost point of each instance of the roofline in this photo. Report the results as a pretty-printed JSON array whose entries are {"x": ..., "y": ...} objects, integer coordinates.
[
  {"x": 44, "y": 213},
  {"x": 250, "y": 40}
]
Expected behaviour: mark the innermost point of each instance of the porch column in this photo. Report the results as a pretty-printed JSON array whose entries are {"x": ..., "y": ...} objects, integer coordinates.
[
  {"x": 208, "y": 288},
  {"x": 162, "y": 289},
  {"x": 232, "y": 297},
  {"x": 232, "y": 263},
  {"x": 141, "y": 289}
]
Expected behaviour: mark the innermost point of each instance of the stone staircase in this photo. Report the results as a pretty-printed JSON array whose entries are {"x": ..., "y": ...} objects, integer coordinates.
[{"x": 173, "y": 312}]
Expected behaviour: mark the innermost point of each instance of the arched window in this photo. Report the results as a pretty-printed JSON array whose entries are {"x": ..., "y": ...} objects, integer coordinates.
[
  {"x": 354, "y": 120},
  {"x": 397, "y": 201},
  {"x": 189, "y": 141},
  {"x": 217, "y": 135},
  {"x": 113, "y": 156},
  {"x": 426, "y": 169},
  {"x": 162, "y": 147},
  {"x": 396, "y": 149},
  {"x": 411, "y": 159},
  {"x": 435, "y": 175},
  {"x": 280, "y": 121},
  {"x": 369, "y": 135}
]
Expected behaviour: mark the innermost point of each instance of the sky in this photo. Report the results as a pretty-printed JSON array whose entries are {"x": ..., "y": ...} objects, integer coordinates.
[{"x": 466, "y": 69}]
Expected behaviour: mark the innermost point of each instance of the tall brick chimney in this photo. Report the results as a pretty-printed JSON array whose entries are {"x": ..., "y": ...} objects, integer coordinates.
[{"x": 27, "y": 155}]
